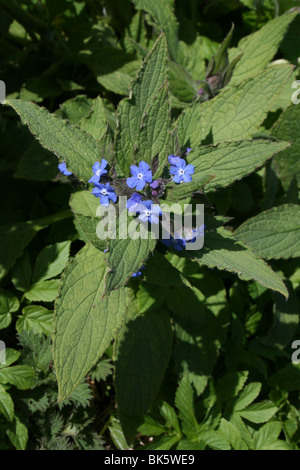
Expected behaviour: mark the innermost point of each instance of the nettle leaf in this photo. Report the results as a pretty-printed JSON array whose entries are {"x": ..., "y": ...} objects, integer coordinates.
[
  {"x": 166, "y": 22},
  {"x": 37, "y": 164},
  {"x": 84, "y": 206},
  {"x": 70, "y": 143},
  {"x": 231, "y": 161},
  {"x": 273, "y": 234},
  {"x": 150, "y": 79},
  {"x": 236, "y": 113},
  {"x": 287, "y": 164},
  {"x": 44, "y": 291},
  {"x": 125, "y": 257},
  {"x": 259, "y": 48},
  {"x": 222, "y": 251},
  {"x": 143, "y": 352},
  {"x": 83, "y": 319}
]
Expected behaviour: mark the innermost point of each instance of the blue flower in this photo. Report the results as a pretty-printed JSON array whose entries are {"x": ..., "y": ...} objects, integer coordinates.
[
  {"x": 98, "y": 170},
  {"x": 133, "y": 202},
  {"x": 176, "y": 243},
  {"x": 148, "y": 212},
  {"x": 180, "y": 170},
  {"x": 188, "y": 149},
  {"x": 63, "y": 169},
  {"x": 140, "y": 176},
  {"x": 179, "y": 242},
  {"x": 105, "y": 192},
  {"x": 173, "y": 160},
  {"x": 139, "y": 272}
]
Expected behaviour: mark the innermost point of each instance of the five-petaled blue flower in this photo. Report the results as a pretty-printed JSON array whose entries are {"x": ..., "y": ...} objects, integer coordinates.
[
  {"x": 63, "y": 169},
  {"x": 180, "y": 170},
  {"x": 105, "y": 192},
  {"x": 98, "y": 170},
  {"x": 140, "y": 176},
  {"x": 133, "y": 202},
  {"x": 148, "y": 212}
]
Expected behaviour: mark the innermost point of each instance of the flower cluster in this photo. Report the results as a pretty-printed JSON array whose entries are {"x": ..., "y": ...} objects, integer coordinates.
[
  {"x": 141, "y": 179},
  {"x": 104, "y": 191}
]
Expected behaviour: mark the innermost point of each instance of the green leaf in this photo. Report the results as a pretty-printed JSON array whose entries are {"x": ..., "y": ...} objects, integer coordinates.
[
  {"x": 37, "y": 164},
  {"x": 44, "y": 291},
  {"x": 84, "y": 324},
  {"x": 35, "y": 318},
  {"x": 184, "y": 401},
  {"x": 6, "y": 404},
  {"x": 247, "y": 396},
  {"x": 70, "y": 143},
  {"x": 273, "y": 234},
  {"x": 287, "y": 164},
  {"x": 177, "y": 192},
  {"x": 22, "y": 273},
  {"x": 223, "y": 252},
  {"x": 18, "y": 434},
  {"x": 154, "y": 133},
  {"x": 125, "y": 257},
  {"x": 22, "y": 377},
  {"x": 149, "y": 80},
  {"x": 166, "y": 22},
  {"x": 232, "y": 435},
  {"x": 259, "y": 412},
  {"x": 259, "y": 48},
  {"x": 8, "y": 302},
  {"x": 231, "y": 384},
  {"x": 95, "y": 123},
  {"x": 287, "y": 378},
  {"x": 85, "y": 206},
  {"x": 51, "y": 261},
  {"x": 236, "y": 113},
  {"x": 143, "y": 352},
  {"x": 267, "y": 435},
  {"x": 231, "y": 161}
]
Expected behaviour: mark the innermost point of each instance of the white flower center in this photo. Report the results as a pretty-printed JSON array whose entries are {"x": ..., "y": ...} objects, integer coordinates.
[
  {"x": 140, "y": 176},
  {"x": 181, "y": 172},
  {"x": 98, "y": 172},
  {"x": 147, "y": 212},
  {"x": 104, "y": 192}
]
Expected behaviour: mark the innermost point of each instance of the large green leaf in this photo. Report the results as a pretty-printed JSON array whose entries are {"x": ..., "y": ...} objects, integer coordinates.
[
  {"x": 154, "y": 133},
  {"x": 84, "y": 206},
  {"x": 143, "y": 353},
  {"x": 231, "y": 161},
  {"x": 149, "y": 80},
  {"x": 287, "y": 164},
  {"x": 259, "y": 48},
  {"x": 84, "y": 324},
  {"x": 273, "y": 234},
  {"x": 236, "y": 113},
  {"x": 125, "y": 257},
  {"x": 223, "y": 252},
  {"x": 70, "y": 143}
]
